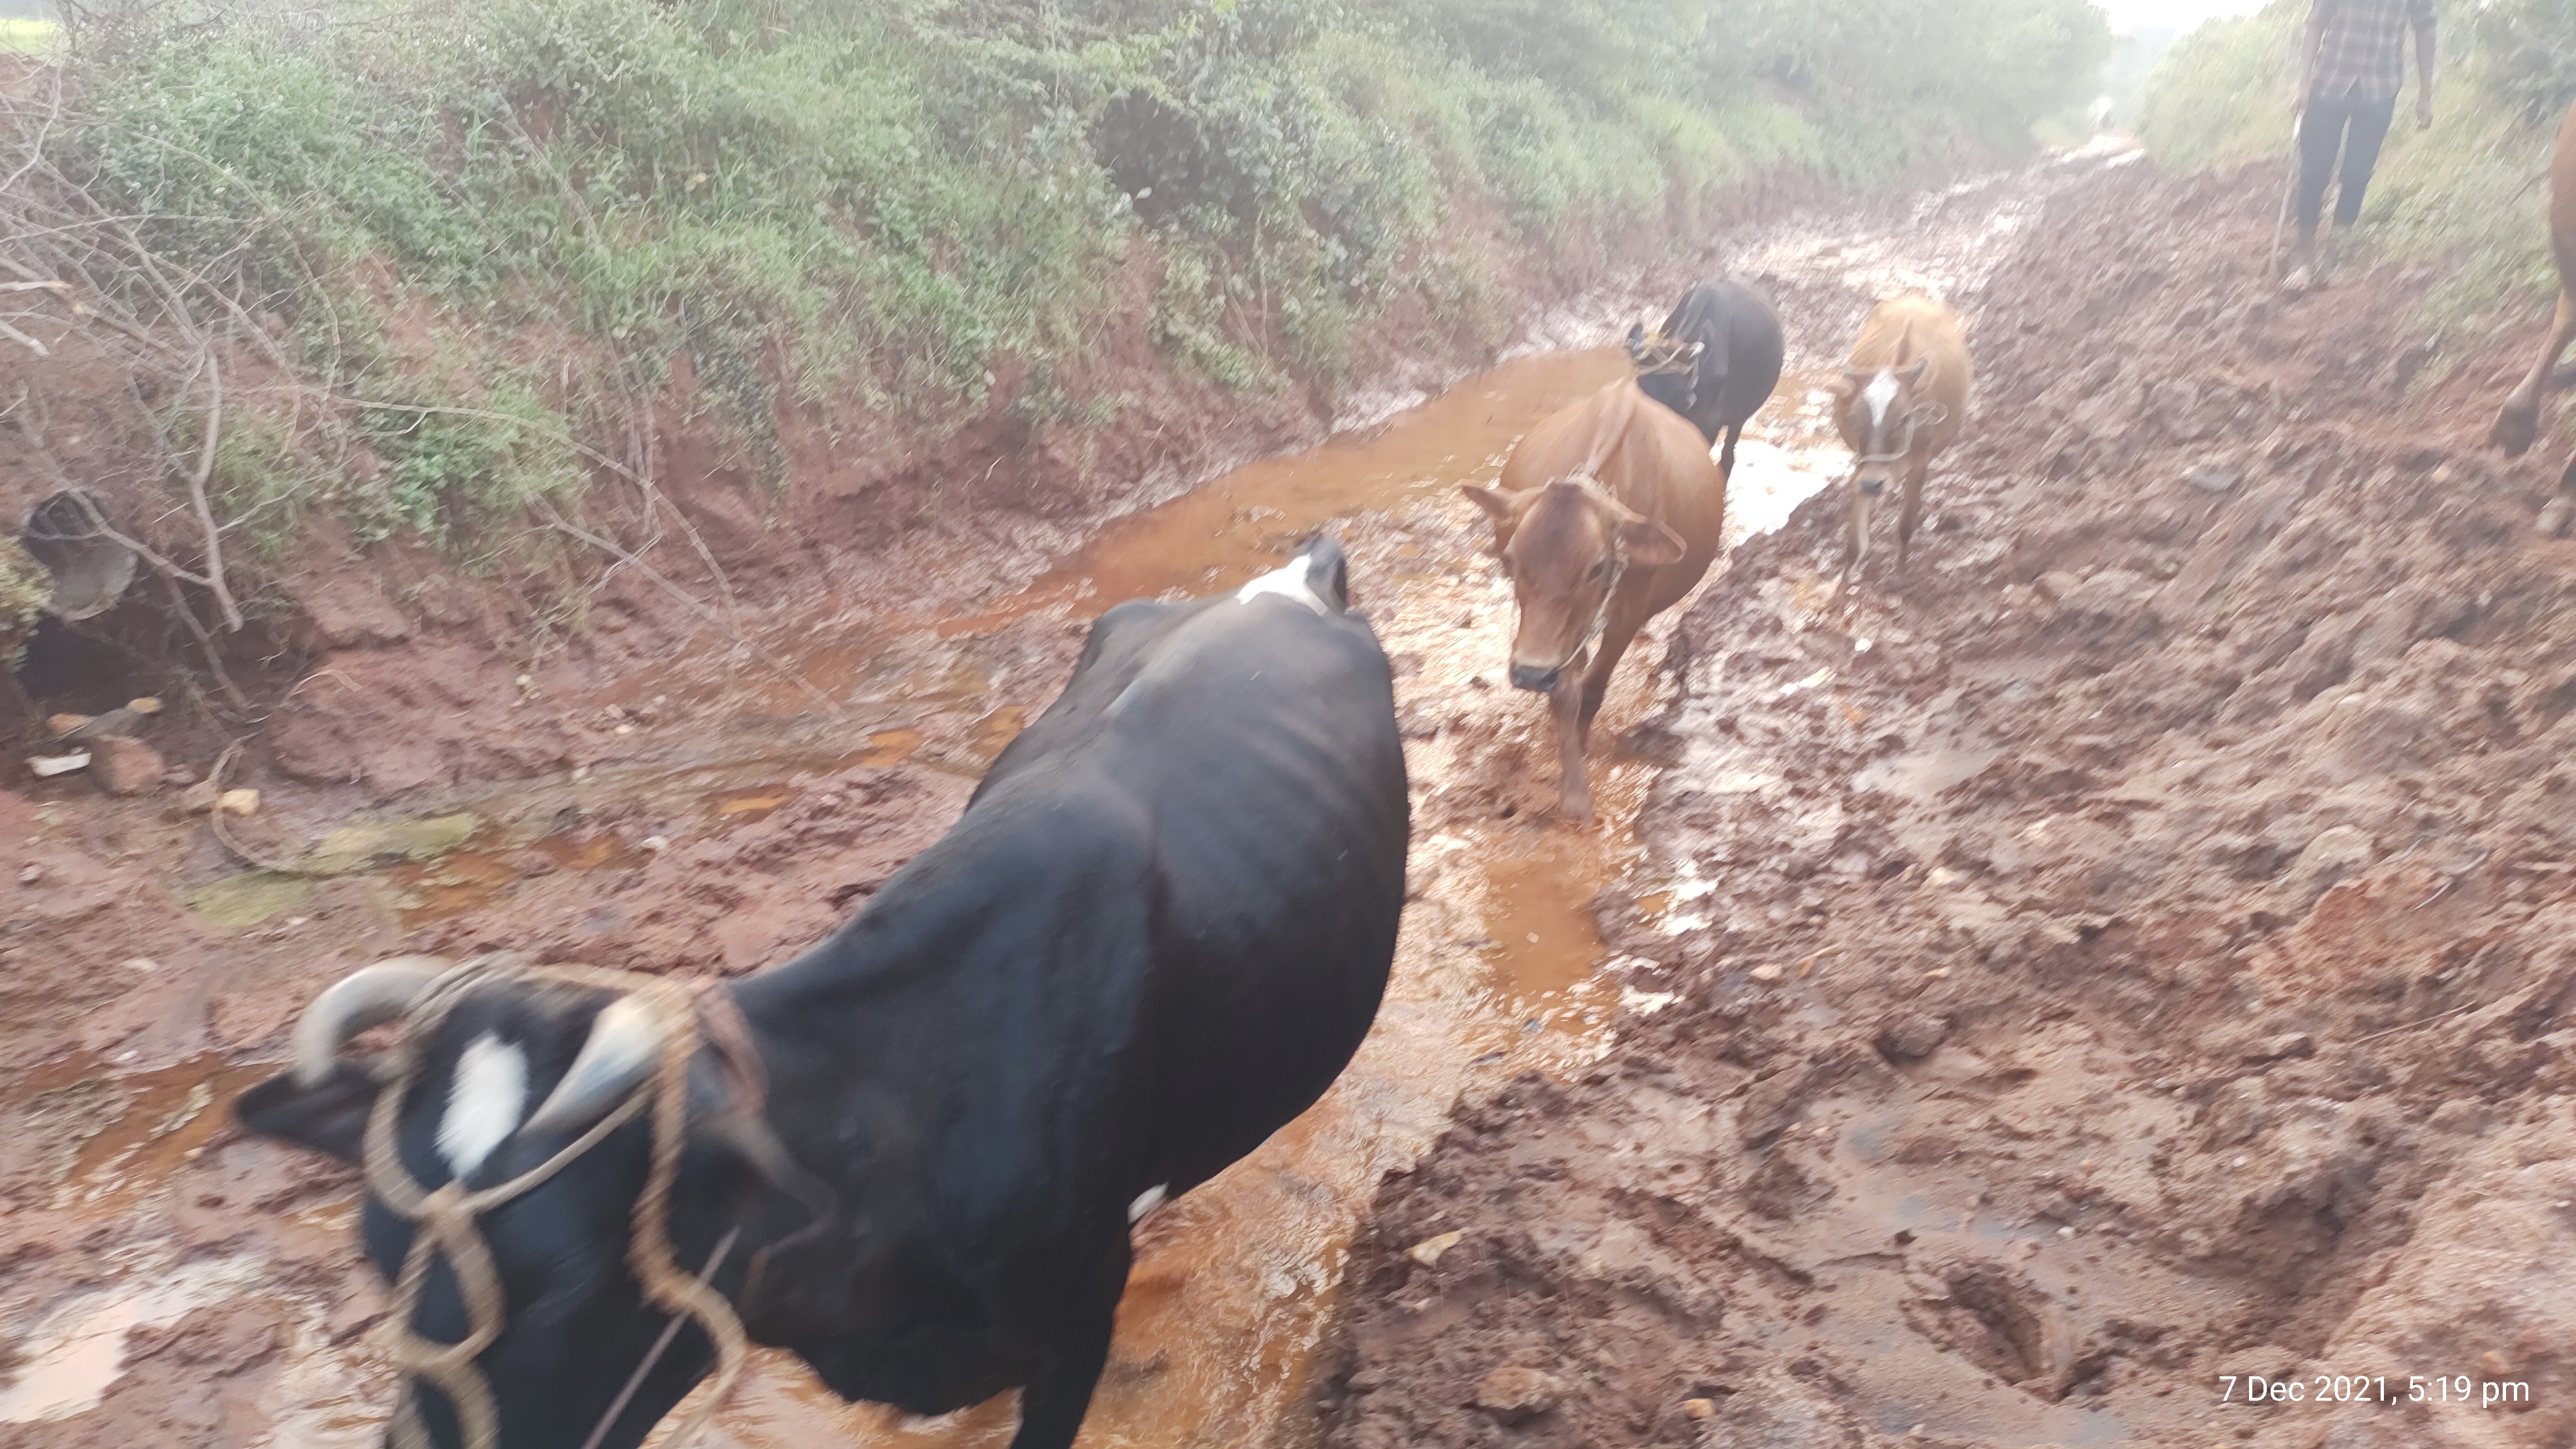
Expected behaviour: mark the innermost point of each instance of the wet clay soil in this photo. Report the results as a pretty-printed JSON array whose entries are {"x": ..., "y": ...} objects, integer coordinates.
[
  {"x": 1741, "y": 1163},
  {"x": 2123, "y": 960},
  {"x": 749, "y": 798}
]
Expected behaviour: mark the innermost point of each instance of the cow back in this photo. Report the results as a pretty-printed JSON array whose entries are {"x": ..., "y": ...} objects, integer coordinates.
[
  {"x": 1741, "y": 352},
  {"x": 1256, "y": 741}
]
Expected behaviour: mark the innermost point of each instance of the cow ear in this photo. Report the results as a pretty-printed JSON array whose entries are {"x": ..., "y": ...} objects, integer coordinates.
[
  {"x": 330, "y": 1118},
  {"x": 1497, "y": 505},
  {"x": 1646, "y": 544}
]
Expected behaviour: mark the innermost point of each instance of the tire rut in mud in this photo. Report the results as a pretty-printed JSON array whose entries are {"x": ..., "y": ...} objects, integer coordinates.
[{"x": 2128, "y": 950}]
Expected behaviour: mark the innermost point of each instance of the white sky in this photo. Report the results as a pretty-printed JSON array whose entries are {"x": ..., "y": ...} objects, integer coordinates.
[{"x": 2129, "y": 15}]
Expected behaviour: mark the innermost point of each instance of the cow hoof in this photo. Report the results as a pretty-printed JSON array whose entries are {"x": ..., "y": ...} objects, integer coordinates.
[{"x": 2514, "y": 431}]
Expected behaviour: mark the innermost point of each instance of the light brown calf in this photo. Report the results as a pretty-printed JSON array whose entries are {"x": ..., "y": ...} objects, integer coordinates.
[
  {"x": 1607, "y": 514},
  {"x": 1902, "y": 399},
  {"x": 2519, "y": 422}
]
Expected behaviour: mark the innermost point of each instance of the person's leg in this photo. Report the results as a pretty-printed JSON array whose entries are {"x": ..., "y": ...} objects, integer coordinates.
[
  {"x": 2361, "y": 154},
  {"x": 2320, "y": 135}
]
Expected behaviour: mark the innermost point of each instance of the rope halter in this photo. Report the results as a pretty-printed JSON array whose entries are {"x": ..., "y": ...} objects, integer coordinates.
[{"x": 445, "y": 1223}]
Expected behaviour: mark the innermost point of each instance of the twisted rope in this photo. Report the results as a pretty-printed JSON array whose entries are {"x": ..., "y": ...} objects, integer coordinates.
[{"x": 444, "y": 1219}]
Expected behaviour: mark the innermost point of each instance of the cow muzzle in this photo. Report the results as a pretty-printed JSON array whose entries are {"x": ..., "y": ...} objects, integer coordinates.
[{"x": 1532, "y": 677}]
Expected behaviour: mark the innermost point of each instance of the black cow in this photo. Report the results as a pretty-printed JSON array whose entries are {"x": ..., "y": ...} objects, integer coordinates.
[
  {"x": 1715, "y": 362},
  {"x": 1158, "y": 932}
]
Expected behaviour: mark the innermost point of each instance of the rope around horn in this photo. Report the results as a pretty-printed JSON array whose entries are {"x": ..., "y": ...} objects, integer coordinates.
[{"x": 444, "y": 1218}]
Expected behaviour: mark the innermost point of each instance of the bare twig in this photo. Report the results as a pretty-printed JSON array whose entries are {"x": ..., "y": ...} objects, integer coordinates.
[
  {"x": 206, "y": 642},
  {"x": 223, "y": 833},
  {"x": 205, "y": 510}
]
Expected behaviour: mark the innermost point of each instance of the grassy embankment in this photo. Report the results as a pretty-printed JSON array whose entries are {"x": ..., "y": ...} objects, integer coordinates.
[
  {"x": 2468, "y": 197},
  {"x": 484, "y": 231}
]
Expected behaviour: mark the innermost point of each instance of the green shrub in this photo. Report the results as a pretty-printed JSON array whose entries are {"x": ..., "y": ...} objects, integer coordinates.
[{"x": 873, "y": 203}]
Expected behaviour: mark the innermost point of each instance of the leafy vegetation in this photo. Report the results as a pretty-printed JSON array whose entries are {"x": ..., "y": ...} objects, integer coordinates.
[
  {"x": 874, "y": 203},
  {"x": 2467, "y": 195}
]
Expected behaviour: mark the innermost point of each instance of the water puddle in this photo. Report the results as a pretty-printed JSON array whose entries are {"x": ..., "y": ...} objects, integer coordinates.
[{"x": 78, "y": 1350}]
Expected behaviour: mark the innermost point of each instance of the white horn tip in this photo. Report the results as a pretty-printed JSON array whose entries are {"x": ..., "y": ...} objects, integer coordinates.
[{"x": 624, "y": 1043}]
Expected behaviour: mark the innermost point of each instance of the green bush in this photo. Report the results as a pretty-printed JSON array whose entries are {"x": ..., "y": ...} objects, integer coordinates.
[
  {"x": 873, "y": 203},
  {"x": 2526, "y": 54}
]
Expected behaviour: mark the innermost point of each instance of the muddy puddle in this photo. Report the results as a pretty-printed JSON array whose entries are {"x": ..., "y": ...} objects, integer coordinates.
[{"x": 1500, "y": 968}]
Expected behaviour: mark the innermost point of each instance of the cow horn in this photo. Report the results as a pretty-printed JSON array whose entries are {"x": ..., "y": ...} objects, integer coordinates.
[
  {"x": 625, "y": 1041},
  {"x": 364, "y": 998}
]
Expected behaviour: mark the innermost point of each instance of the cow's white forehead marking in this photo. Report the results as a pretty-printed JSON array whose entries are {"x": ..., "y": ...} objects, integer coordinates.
[
  {"x": 1880, "y": 394},
  {"x": 1146, "y": 1201},
  {"x": 485, "y": 1100},
  {"x": 1289, "y": 582}
]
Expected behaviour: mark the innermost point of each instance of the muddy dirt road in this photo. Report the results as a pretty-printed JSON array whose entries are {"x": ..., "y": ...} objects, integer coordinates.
[
  {"x": 1891, "y": 992},
  {"x": 2119, "y": 964}
]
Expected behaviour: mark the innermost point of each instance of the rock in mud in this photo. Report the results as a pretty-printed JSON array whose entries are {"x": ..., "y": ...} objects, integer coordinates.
[
  {"x": 1428, "y": 1251},
  {"x": 126, "y": 766},
  {"x": 1518, "y": 1395},
  {"x": 1779, "y": 1412},
  {"x": 2332, "y": 855},
  {"x": 1912, "y": 1036},
  {"x": 2210, "y": 478}
]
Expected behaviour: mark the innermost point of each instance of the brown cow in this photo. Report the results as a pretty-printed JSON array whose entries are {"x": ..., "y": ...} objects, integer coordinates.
[
  {"x": 1609, "y": 511},
  {"x": 2519, "y": 422},
  {"x": 1903, "y": 395}
]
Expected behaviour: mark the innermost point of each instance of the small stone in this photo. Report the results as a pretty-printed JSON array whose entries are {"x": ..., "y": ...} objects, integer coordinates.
[
  {"x": 1702, "y": 1409},
  {"x": 1517, "y": 1395},
  {"x": 238, "y": 802},
  {"x": 48, "y": 766},
  {"x": 655, "y": 843},
  {"x": 2281, "y": 1048},
  {"x": 1766, "y": 974},
  {"x": 2554, "y": 516},
  {"x": 1428, "y": 1251},
  {"x": 2067, "y": 1231},
  {"x": 31, "y": 875},
  {"x": 2210, "y": 478},
  {"x": 141, "y": 963},
  {"x": 1912, "y": 1036},
  {"x": 127, "y": 766}
]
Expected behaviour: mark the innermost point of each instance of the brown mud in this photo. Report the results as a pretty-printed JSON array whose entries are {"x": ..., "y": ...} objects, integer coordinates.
[
  {"x": 2123, "y": 961},
  {"x": 661, "y": 804}
]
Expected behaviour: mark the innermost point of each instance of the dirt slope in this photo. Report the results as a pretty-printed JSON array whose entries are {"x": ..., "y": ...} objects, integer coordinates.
[{"x": 2129, "y": 950}]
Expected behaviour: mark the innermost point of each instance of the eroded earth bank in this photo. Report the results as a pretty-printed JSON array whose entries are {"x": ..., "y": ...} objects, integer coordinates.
[
  {"x": 2130, "y": 950},
  {"x": 2117, "y": 953}
]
